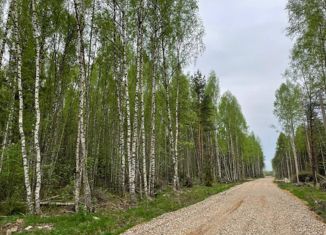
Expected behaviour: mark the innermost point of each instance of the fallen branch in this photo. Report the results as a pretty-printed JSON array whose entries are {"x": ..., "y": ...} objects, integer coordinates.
[
  {"x": 322, "y": 177},
  {"x": 45, "y": 203},
  {"x": 57, "y": 203}
]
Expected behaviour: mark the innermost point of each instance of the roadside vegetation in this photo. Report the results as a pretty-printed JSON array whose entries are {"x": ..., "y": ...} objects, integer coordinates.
[
  {"x": 114, "y": 217},
  {"x": 300, "y": 107},
  {"x": 313, "y": 197}
]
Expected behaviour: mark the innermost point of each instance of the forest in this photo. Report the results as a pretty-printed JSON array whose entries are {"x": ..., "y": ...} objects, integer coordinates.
[
  {"x": 300, "y": 100},
  {"x": 94, "y": 97}
]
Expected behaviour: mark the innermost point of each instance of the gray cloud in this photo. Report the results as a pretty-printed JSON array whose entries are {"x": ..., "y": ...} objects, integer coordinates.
[{"x": 246, "y": 45}]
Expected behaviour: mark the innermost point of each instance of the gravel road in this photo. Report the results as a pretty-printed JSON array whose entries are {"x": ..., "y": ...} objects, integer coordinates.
[{"x": 256, "y": 207}]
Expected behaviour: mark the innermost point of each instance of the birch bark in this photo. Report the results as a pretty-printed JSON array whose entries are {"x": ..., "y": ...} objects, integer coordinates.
[
  {"x": 294, "y": 150},
  {"x": 37, "y": 35},
  {"x": 153, "y": 129},
  {"x": 4, "y": 39},
  {"x": 168, "y": 107},
  {"x": 10, "y": 116},
  {"x": 81, "y": 115},
  {"x": 120, "y": 95},
  {"x": 175, "y": 158},
  {"x": 126, "y": 85},
  {"x": 21, "y": 117},
  {"x": 132, "y": 176},
  {"x": 141, "y": 90}
]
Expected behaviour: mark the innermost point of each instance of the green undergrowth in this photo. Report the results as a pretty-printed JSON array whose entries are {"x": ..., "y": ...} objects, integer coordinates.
[
  {"x": 118, "y": 220},
  {"x": 313, "y": 197}
]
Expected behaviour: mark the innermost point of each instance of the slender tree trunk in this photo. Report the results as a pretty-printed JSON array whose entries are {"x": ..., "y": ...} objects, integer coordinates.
[
  {"x": 153, "y": 142},
  {"x": 81, "y": 115},
  {"x": 4, "y": 39},
  {"x": 78, "y": 172},
  {"x": 175, "y": 158},
  {"x": 218, "y": 158},
  {"x": 121, "y": 142},
  {"x": 131, "y": 168},
  {"x": 322, "y": 108},
  {"x": 139, "y": 71},
  {"x": 28, "y": 188},
  {"x": 120, "y": 96},
  {"x": 7, "y": 130},
  {"x": 308, "y": 144},
  {"x": 294, "y": 150},
  {"x": 153, "y": 125},
  {"x": 142, "y": 109},
  {"x": 168, "y": 106},
  {"x": 311, "y": 143},
  {"x": 233, "y": 159},
  {"x": 9, "y": 122},
  {"x": 323, "y": 158},
  {"x": 287, "y": 166},
  {"x": 37, "y": 34}
]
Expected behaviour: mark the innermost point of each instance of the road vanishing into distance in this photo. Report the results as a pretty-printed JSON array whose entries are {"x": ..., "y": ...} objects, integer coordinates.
[{"x": 255, "y": 207}]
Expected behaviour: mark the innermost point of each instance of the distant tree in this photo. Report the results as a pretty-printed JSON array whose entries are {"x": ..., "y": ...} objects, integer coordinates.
[{"x": 287, "y": 107}]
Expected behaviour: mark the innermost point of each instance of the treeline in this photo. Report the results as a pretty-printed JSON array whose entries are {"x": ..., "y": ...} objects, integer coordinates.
[
  {"x": 93, "y": 96},
  {"x": 300, "y": 101}
]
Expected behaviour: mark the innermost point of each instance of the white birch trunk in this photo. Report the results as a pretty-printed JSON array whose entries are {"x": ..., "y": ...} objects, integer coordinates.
[
  {"x": 294, "y": 153},
  {"x": 120, "y": 95},
  {"x": 153, "y": 133},
  {"x": 171, "y": 137},
  {"x": 322, "y": 108},
  {"x": 287, "y": 166},
  {"x": 132, "y": 166},
  {"x": 121, "y": 146},
  {"x": 218, "y": 158},
  {"x": 37, "y": 34},
  {"x": 21, "y": 118},
  {"x": 143, "y": 142},
  {"x": 141, "y": 89},
  {"x": 9, "y": 123},
  {"x": 167, "y": 100},
  {"x": 6, "y": 31},
  {"x": 295, "y": 158},
  {"x": 121, "y": 138},
  {"x": 175, "y": 157},
  {"x": 131, "y": 151},
  {"x": 81, "y": 115},
  {"x": 126, "y": 85},
  {"x": 77, "y": 172}
]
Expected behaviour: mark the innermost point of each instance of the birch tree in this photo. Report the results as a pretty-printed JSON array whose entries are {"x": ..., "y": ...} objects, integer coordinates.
[
  {"x": 6, "y": 31},
  {"x": 37, "y": 34},
  {"x": 288, "y": 110},
  {"x": 81, "y": 155},
  {"x": 154, "y": 49},
  {"x": 18, "y": 53}
]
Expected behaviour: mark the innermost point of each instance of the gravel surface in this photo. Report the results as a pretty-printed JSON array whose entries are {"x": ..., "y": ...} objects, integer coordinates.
[{"x": 256, "y": 207}]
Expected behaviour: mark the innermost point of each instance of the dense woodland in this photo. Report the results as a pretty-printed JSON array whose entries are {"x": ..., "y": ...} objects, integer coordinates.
[
  {"x": 300, "y": 101},
  {"x": 93, "y": 96}
]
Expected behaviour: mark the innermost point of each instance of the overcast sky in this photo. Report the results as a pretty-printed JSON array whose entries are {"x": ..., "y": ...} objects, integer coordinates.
[{"x": 247, "y": 47}]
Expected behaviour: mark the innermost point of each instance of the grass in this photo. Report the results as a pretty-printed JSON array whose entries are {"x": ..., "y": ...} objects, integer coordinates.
[
  {"x": 118, "y": 221},
  {"x": 313, "y": 197}
]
